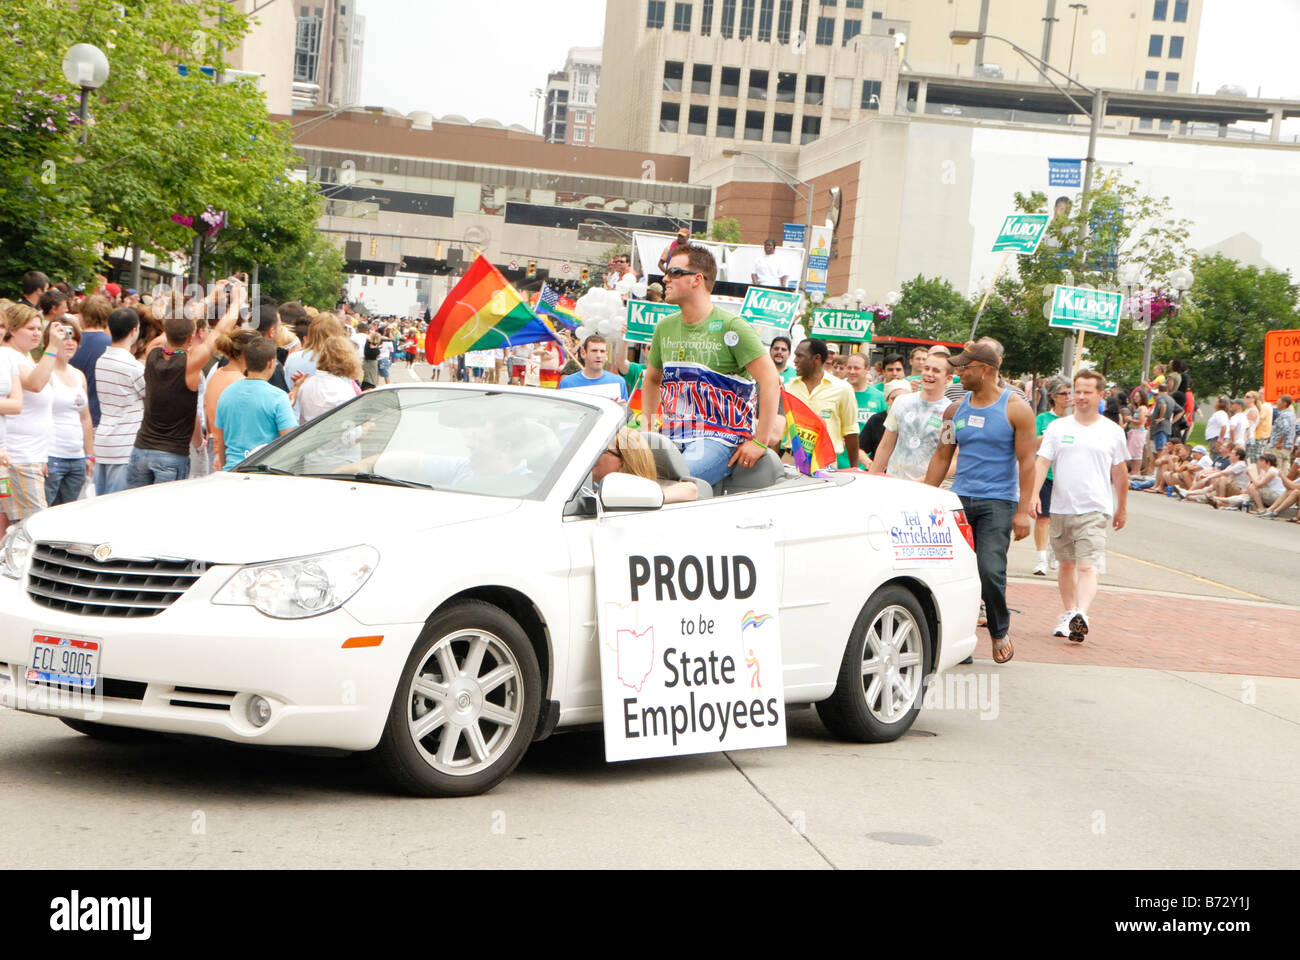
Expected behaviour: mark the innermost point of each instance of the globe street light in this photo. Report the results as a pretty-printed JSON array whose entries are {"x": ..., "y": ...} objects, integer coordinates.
[
  {"x": 1181, "y": 280},
  {"x": 85, "y": 66}
]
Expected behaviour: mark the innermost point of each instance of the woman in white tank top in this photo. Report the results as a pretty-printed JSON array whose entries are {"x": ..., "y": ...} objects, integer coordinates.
[{"x": 72, "y": 435}]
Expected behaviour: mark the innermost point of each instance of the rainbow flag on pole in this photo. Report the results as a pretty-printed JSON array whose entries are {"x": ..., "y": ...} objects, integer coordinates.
[
  {"x": 806, "y": 435},
  {"x": 551, "y": 304},
  {"x": 483, "y": 312}
]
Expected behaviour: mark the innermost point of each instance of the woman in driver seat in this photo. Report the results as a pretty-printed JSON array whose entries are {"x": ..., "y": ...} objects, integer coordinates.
[{"x": 629, "y": 453}]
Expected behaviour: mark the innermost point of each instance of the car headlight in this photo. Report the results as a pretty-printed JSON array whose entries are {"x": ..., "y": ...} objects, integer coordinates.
[
  {"x": 16, "y": 551},
  {"x": 303, "y": 587}
]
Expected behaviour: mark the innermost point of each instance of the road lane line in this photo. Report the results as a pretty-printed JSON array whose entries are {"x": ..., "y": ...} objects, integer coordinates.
[{"x": 1190, "y": 576}]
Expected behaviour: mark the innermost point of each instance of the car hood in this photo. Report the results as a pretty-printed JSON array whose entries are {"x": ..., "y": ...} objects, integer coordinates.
[{"x": 239, "y": 518}]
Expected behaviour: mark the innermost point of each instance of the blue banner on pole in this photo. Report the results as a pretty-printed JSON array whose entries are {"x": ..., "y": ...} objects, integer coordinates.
[
  {"x": 792, "y": 236},
  {"x": 1064, "y": 172}
]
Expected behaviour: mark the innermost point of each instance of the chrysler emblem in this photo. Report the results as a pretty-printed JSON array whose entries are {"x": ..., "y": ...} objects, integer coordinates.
[{"x": 103, "y": 552}]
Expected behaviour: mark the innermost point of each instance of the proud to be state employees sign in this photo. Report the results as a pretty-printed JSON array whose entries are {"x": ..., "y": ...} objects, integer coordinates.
[{"x": 690, "y": 645}]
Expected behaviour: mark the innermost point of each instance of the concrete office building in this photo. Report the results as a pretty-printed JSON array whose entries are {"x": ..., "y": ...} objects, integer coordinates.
[
  {"x": 418, "y": 195},
  {"x": 571, "y": 99},
  {"x": 328, "y": 43}
]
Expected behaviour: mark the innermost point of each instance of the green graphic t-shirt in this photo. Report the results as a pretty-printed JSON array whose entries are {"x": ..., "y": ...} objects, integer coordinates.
[
  {"x": 864, "y": 410},
  {"x": 1040, "y": 424},
  {"x": 721, "y": 341}
]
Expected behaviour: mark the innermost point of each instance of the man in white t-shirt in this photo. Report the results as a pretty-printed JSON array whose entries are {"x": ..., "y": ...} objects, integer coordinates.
[
  {"x": 360, "y": 336},
  {"x": 1218, "y": 421},
  {"x": 767, "y": 268},
  {"x": 913, "y": 423},
  {"x": 1239, "y": 424},
  {"x": 1089, "y": 461}
]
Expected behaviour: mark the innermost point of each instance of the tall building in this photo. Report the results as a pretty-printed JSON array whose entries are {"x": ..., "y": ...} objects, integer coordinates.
[
  {"x": 571, "y": 99},
  {"x": 327, "y": 54},
  {"x": 701, "y": 76}
]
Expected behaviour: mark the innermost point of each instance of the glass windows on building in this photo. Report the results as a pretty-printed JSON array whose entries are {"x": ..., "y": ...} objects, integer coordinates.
[
  {"x": 1151, "y": 79},
  {"x": 726, "y": 128},
  {"x": 870, "y": 94},
  {"x": 1175, "y": 48},
  {"x": 746, "y": 20},
  {"x": 758, "y": 80},
  {"x": 706, "y": 18},
  {"x": 654, "y": 14},
  {"x": 682, "y": 17},
  {"x": 825, "y": 31},
  {"x": 673, "y": 70},
  {"x": 753, "y": 124},
  {"x": 785, "y": 87},
  {"x": 697, "y": 122},
  {"x": 702, "y": 78},
  {"x": 669, "y": 114},
  {"x": 1156, "y": 45},
  {"x": 814, "y": 89},
  {"x": 784, "y": 19},
  {"x": 1180, "y": 11},
  {"x": 1161, "y": 10},
  {"x": 730, "y": 85},
  {"x": 812, "y": 129},
  {"x": 782, "y": 124},
  {"x": 1171, "y": 82},
  {"x": 765, "y": 21},
  {"x": 728, "y": 26},
  {"x": 851, "y": 29}
]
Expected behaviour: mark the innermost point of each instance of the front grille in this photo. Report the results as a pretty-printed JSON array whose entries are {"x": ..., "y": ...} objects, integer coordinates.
[
  {"x": 200, "y": 698},
  {"x": 112, "y": 588}
]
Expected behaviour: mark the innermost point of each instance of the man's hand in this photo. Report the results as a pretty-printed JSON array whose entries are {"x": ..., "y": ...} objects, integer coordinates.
[
  {"x": 1035, "y": 508},
  {"x": 1021, "y": 524},
  {"x": 1121, "y": 517},
  {"x": 747, "y": 454}
]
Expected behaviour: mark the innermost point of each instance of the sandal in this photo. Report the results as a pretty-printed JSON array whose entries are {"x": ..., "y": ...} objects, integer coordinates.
[{"x": 1003, "y": 645}]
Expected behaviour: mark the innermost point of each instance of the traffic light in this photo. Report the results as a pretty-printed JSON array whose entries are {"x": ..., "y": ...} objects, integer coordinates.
[
  {"x": 374, "y": 246},
  {"x": 584, "y": 274},
  {"x": 532, "y": 269}
]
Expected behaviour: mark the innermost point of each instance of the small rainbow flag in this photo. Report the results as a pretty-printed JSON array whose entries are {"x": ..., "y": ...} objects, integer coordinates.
[
  {"x": 549, "y": 378},
  {"x": 754, "y": 620},
  {"x": 551, "y": 304},
  {"x": 806, "y": 435},
  {"x": 483, "y": 312}
]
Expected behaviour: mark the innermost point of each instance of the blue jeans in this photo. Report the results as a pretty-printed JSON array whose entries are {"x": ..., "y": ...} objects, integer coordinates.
[
  {"x": 156, "y": 466},
  {"x": 990, "y": 521},
  {"x": 109, "y": 478},
  {"x": 707, "y": 458},
  {"x": 1158, "y": 440},
  {"x": 66, "y": 478}
]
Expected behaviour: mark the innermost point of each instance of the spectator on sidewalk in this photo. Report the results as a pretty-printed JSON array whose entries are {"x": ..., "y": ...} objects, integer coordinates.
[
  {"x": 1225, "y": 482},
  {"x": 119, "y": 382},
  {"x": 95, "y": 339},
  {"x": 71, "y": 448},
  {"x": 1090, "y": 495},
  {"x": 995, "y": 474},
  {"x": 1239, "y": 426},
  {"x": 1291, "y": 483},
  {"x": 27, "y": 431},
  {"x": 1263, "y": 489},
  {"x": 1218, "y": 422},
  {"x": 1283, "y": 437},
  {"x": 251, "y": 412},
  {"x": 1163, "y": 416}
]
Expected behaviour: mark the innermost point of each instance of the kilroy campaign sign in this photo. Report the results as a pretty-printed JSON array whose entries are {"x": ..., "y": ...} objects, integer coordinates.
[
  {"x": 642, "y": 318},
  {"x": 770, "y": 311},
  {"x": 690, "y": 644},
  {"x": 843, "y": 326},
  {"x": 1021, "y": 233},
  {"x": 1086, "y": 309}
]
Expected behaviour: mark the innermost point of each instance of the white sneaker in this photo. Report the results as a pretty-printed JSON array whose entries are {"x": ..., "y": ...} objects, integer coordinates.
[
  {"x": 1052, "y": 562},
  {"x": 1063, "y": 625},
  {"x": 1040, "y": 568},
  {"x": 1180, "y": 493}
]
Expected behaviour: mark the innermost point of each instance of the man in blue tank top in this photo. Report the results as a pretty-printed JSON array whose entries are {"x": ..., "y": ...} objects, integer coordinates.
[{"x": 995, "y": 473}]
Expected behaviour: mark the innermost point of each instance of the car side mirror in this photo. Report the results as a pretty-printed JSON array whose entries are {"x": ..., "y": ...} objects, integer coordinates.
[{"x": 625, "y": 491}]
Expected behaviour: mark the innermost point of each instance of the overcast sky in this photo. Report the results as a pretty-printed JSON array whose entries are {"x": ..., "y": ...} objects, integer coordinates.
[{"x": 483, "y": 58}]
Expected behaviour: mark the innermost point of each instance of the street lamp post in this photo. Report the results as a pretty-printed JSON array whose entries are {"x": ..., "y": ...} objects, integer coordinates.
[
  {"x": 807, "y": 197},
  {"x": 1095, "y": 116},
  {"x": 85, "y": 66},
  {"x": 1181, "y": 280}
]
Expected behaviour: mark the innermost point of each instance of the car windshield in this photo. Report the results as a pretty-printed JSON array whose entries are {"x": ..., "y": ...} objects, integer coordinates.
[{"x": 495, "y": 444}]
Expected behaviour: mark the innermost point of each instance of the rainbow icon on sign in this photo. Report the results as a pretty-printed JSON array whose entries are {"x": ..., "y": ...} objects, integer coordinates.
[{"x": 754, "y": 620}]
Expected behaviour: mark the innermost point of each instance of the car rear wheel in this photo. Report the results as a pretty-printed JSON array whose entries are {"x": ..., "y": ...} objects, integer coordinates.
[
  {"x": 112, "y": 734},
  {"x": 878, "y": 693},
  {"x": 466, "y": 705}
]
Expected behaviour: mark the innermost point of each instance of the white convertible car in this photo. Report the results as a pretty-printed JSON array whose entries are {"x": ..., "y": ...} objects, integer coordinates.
[{"x": 411, "y": 574}]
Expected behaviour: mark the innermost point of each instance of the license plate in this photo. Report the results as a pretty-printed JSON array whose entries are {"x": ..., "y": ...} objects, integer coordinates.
[{"x": 67, "y": 661}]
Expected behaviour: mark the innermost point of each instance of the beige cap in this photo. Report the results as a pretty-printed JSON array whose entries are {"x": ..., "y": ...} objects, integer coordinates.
[{"x": 893, "y": 385}]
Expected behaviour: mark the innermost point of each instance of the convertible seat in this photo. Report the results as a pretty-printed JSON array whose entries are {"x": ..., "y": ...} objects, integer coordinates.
[
  {"x": 765, "y": 473},
  {"x": 671, "y": 465}
]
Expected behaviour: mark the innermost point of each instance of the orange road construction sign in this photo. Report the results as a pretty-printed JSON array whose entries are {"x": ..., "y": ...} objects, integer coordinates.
[{"x": 1281, "y": 364}]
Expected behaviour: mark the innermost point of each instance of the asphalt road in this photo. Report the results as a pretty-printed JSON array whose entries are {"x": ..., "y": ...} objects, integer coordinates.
[{"x": 1047, "y": 766}]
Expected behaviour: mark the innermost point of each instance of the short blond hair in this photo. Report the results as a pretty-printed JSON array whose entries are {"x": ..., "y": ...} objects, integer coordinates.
[{"x": 338, "y": 356}]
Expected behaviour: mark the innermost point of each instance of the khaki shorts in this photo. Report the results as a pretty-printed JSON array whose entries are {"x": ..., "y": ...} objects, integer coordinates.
[
  {"x": 1079, "y": 538},
  {"x": 26, "y": 491}
]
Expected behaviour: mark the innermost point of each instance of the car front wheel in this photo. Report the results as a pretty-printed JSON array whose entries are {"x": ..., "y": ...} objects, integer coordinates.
[
  {"x": 878, "y": 693},
  {"x": 466, "y": 704}
]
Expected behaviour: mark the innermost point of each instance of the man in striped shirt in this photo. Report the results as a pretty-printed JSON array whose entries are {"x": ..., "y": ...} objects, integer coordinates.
[{"x": 119, "y": 381}]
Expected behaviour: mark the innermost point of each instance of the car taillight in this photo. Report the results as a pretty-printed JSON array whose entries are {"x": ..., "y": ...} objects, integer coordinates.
[{"x": 964, "y": 526}]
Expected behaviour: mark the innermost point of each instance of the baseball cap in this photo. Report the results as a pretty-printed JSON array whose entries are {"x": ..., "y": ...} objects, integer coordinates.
[
  {"x": 1199, "y": 449},
  {"x": 974, "y": 352}
]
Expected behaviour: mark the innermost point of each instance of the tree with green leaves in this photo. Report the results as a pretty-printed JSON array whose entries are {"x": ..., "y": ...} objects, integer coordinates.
[
  {"x": 1220, "y": 329},
  {"x": 931, "y": 309},
  {"x": 725, "y": 230},
  {"x": 1123, "y": 229},
  {"x": 164, "y": 137}
]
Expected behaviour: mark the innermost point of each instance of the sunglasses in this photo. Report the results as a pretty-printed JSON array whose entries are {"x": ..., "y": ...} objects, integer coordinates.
[
  {"x": 614, "y": 452},
  {"x": 680, "y": 272}
]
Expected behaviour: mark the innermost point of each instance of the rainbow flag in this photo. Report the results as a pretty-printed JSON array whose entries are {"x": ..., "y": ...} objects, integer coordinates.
[
  {"x": 483, "y": 312},
  {"x": 551, "y": 304},
  {"x": 805, "y": 434},
  {"x": 549, "y": 379}
]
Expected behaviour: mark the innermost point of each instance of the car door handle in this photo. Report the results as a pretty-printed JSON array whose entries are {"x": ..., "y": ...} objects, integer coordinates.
[{"x": 755, "y": 525}]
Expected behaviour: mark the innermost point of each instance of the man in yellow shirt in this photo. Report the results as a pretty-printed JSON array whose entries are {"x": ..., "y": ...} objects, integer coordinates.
[{"x": 829, "y": 398}]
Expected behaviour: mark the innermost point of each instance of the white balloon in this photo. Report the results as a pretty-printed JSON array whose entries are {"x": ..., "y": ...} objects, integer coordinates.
[
  {"x": 639, "y": 289},
  {"x": 585, "y": 330},
  {"x": 610, "y": 326},
  {"x": 625, "y": 284}
]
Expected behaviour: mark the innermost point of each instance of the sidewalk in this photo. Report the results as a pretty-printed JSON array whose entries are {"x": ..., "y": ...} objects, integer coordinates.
[{"x": 1160, "y": 631}]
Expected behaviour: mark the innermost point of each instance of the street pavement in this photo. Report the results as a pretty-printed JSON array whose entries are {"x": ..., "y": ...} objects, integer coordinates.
[{"x": 1166, "y": 740}]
